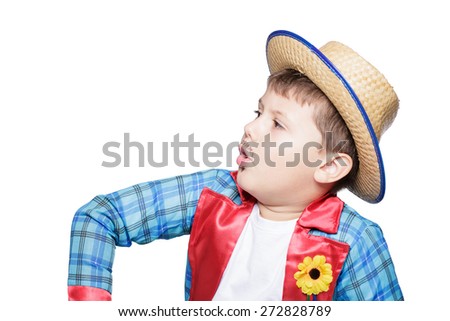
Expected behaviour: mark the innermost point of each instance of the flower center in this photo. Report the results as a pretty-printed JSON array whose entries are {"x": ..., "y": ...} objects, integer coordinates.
[{"x": 314, "y": 274}]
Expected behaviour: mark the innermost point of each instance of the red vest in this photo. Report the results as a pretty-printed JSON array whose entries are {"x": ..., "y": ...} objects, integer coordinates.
[{"x": 218, "y": 223}]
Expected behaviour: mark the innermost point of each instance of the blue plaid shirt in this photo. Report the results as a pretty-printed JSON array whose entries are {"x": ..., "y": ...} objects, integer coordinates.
[{"x": 164, "y": 209}]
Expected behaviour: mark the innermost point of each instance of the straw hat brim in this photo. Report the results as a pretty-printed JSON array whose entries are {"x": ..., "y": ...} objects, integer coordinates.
[{"x": 287, "y": 50}]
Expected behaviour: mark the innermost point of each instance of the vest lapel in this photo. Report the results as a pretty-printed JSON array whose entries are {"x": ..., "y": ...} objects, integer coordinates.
[{"x": 218, "y": 223}]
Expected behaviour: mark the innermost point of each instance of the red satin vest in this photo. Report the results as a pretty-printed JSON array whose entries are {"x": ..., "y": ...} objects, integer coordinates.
[{"x": 218, "y": 223}]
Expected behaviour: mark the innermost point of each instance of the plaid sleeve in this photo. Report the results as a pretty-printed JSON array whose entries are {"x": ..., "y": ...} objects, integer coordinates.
[
  {"x": 142, "y": 213},
  {"x": 368, "y": 273}
]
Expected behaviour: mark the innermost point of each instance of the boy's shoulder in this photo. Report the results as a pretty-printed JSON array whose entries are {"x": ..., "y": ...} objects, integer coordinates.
[
  {"x": 353, "y": 224},
  {"x": 353, "y": 227},
  {"x": 221, "y": 181}
]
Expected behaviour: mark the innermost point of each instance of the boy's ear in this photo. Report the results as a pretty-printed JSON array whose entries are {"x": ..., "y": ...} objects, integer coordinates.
[{"x": 333, "y": 170}]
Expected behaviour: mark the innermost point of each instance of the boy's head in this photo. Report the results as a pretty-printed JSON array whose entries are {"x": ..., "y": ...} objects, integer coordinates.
[
  {"x": 288, "y": 156},
  {"x": 348, "y": 103},
  {"x": 336, "y": 137}
]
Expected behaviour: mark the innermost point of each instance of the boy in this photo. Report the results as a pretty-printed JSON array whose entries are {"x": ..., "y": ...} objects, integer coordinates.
[{"x": 274, "y": 229}]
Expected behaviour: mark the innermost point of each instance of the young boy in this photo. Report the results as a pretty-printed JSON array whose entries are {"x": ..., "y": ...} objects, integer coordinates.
[{"x": 274, "y": 229}]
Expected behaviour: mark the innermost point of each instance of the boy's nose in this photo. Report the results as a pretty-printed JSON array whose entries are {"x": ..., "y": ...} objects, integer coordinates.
[
  {"x": 248, "y": 132},
  {"x": 252, "y": 130}
]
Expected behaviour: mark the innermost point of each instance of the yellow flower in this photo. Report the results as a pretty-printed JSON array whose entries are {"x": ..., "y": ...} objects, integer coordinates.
[{"x": 314, "y": 275}]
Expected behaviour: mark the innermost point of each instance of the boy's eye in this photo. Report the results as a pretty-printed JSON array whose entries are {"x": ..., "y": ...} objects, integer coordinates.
[
  {"x": 258, "y": 113},
  {"x": 277, "y": 124}
]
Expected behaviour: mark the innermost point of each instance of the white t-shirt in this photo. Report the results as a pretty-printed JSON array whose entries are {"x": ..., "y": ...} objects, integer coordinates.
[{"x": 257, "y": 265}]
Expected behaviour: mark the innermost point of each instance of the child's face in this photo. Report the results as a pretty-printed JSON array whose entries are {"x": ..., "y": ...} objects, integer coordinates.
[{"x": 284, "y": 151}]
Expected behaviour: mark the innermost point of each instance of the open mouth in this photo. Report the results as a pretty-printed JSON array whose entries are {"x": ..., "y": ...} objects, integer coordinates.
[{"x": 245, "y": 153}]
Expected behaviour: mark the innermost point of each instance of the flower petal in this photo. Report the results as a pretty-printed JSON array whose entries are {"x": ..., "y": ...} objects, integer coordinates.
[
  {"x": 319, "y": 260},
  {"x": 327, "y": 278},
  {"x": 327, "y": 267}
]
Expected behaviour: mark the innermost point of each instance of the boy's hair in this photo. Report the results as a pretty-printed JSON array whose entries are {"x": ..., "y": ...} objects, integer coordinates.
[{"x": 291, "y": 83}]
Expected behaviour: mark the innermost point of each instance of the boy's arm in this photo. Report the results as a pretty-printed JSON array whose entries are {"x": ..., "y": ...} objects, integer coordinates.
[
  {"x": 368, "y": 273},
  {"x": 141, "y": 213}
]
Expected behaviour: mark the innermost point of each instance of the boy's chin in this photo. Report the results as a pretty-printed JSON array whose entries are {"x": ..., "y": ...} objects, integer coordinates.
[{"x": 246, "y": 179}]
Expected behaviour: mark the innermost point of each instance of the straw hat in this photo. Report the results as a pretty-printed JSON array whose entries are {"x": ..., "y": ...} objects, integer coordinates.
[{"x": 361, "y": 94}]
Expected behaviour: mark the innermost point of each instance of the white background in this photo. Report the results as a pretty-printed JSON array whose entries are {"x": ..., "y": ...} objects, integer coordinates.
[{"x": 77, "y": 74}]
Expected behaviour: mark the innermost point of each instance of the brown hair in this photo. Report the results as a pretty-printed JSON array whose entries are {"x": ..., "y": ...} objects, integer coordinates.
[{"x": 291, "y": 83}]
